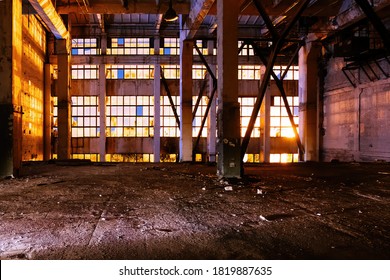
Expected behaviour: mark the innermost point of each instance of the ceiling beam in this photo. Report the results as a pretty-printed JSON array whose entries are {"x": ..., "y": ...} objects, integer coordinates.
[
  {"x": 50, "y": 17},
  {"x": 199, "y": 10},
  {"x": 376, "y": 21},
  {"x": 134, "y": 8},
  {"x": 101, "y": 22},
  {"x": 158, "y": 24}
]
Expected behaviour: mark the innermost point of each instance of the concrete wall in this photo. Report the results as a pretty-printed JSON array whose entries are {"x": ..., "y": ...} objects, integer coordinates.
[
  {"x": 356, "y": 120},
  {"x": 32, "y": 99}
]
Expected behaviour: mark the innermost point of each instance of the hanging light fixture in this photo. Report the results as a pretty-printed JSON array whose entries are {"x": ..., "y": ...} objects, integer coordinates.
[{"x": 170, "y": 14}]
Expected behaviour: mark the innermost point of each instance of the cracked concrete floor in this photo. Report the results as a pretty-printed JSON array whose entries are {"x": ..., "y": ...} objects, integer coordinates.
[{"x": 78, "y": 210}]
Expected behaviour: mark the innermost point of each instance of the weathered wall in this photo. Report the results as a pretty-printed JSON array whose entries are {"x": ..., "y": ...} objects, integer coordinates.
[
  {"x": 32, "y": 99},
  {"x": 356, "y": 120}
]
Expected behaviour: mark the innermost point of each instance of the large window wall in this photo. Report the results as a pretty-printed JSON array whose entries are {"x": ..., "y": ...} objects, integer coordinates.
[
  {"x": 85, "y": 116},
  {"x": 133, "y": 115},
  {"x": 130, "y": 116}
]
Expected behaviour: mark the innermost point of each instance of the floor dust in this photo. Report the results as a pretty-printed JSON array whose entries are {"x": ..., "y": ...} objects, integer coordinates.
[{"x": 81, "y": 210}]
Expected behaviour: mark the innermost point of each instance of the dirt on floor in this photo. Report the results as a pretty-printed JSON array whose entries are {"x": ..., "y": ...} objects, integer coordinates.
[{"x": 82, "y": 210}]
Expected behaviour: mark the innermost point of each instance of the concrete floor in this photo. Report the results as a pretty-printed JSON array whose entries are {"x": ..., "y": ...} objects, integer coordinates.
[{"x": 78, "y": 210}]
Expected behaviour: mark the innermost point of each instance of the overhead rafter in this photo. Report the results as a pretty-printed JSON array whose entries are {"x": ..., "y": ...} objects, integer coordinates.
[
  {"x": 136, "y": 7},
  {"x": 101, "y": 22},
  {"x": 199, "y": 10},
  {"x": 376, "y": 21},
  {"x": 50, "y": 17}
]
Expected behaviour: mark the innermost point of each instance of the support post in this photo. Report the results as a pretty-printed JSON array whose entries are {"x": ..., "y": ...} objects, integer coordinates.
[
  {"x": 212, "y": 117},
  {"x": 308, "y": 100},
  {"x": 64, "y": 101},
  {"x": 102, "y": 107},
  {"x": 265, "y": 125},
  {"x": 102, "y": 100},
  {"x": 229, "y": 138},
  {"x": 186, "y": 57},
  {"x": 157, "y": 104},
  {"x": 11, "y": 87},
  {"x": 48, "y": 115}
]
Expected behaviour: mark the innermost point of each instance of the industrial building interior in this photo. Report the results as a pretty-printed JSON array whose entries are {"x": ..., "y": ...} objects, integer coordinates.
[{"x": 195, "y": 129}]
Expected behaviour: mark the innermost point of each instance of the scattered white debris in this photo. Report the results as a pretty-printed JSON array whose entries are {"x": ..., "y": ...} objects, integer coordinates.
[
  {"x": 203, "y": 189},
  {"x": 384, "y": 173},
  {"x": 103, "y": 219},
  {"x": 259, "y": 191},
  {"x": 100, "y": 195},
  {"x": 233, "y": 215},
  {"x": 261, "y": 217},
  {"x": 228, "y": 188},
  {"x": 318, "y": 214},
  {"x": 360, "y": 212}
]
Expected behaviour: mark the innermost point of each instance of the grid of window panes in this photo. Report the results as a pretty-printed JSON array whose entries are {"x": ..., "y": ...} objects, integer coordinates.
[
  {"x": 129, "y": 116},
  {"x": 91, "y": 157},
  {"x": 85, "y": 72},
  {"x": 292, "y": 73},
  {"x": 280, "y": 122},
  {"x": 202, "y": 45},
  {"x": 85, "y": 116},
  {"x": 120, "y": 72},
  {"x": 247, "y": 50},
  {"x": 171, "y": 71},
  {"x": 85, "y": 46},
  {"x": 197, "y": 122},
  {"x": 130, "y": 157},
  {"x": 249, "y": 72},
  {"x": 246, "y": 109},
  {"x": 168, "y": 123},
  {"x": 170, "y": 46},
  {"x": 252, "y": 158},
  {"x": 131, "y": 46},
  {"x": 283, "y": 158},
  {"x": 198, "y": 72}
]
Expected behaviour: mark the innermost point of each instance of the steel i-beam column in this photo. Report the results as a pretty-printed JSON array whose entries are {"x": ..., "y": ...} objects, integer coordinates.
[
  {"x": 11, "y": 87},
  {"x": 157, "y": 104},
  {"x": 102, "y": 100},
  {"x": 265, "y": 124},
  {"x": 212, "y": 117},
  {"x": 229, "y": 138},
  {"x": 186, "y": 57}
]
